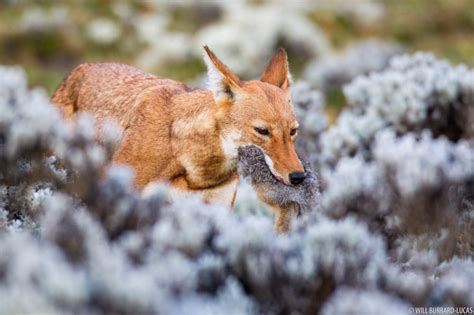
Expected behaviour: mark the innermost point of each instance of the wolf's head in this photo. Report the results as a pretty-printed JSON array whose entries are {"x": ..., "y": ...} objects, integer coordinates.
[{"x": 258, "y": 112}]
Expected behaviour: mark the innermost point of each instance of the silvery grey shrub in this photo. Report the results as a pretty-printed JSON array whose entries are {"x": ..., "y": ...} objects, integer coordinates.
[{"x": 394, "y": 227}]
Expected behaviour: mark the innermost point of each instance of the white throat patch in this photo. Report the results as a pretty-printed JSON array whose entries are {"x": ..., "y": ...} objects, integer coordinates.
[{"x": 230, "y": 146}]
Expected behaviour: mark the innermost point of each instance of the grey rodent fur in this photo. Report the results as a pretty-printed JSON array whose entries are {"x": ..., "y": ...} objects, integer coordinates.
[{"x": 287, "y": 200}]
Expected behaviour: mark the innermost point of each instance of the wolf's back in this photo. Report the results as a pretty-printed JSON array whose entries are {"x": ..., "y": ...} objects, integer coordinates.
[{"x": 106, "y": 90}]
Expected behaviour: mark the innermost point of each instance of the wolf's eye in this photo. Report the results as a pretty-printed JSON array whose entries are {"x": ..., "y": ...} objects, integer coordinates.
[
  {"x": 262, "y": 131},
  {"x": 293, "y": 131}
]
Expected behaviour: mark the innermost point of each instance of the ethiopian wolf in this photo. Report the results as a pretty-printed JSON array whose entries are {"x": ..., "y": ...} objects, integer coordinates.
[{"x": 190, "y": 137}]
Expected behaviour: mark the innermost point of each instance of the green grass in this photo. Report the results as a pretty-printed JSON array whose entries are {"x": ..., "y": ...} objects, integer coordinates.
[
  {"x": 48, "y": 79},
  {"x": 443, "y": 27},
  {"x": 184, "y": 71}
]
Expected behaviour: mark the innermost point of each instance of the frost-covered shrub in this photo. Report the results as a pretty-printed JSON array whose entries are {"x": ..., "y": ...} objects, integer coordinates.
[
  {"x": 192, "y": 256},
  {"x": 30, "y": 130},
  {"x": 455, "y": 286},
  {"x": 401, "y": 158},
  {"x": 431, "y": 183},
  {"x": 418, "y": 188},
  {"x": 36, "y": 277},
  {"x": 309, "y": 109},
  {"x": 309, "y": 106},
  {"x": 361, "y": 58},
  {"x": 356, "y": 187},
  {"x": 417, "y": 162},
  {"x": 418, "y": 91},
  {"x": 414, "y": 93},
  {"x": 358, "y": 302},
  {"x": 425, "y": 282},
  {"x": 290, "y": 266}
]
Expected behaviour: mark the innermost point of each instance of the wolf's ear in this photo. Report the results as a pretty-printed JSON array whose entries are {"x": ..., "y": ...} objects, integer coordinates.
[
  {"x": 223, "y": 82},
  {"x": 277, "y": 71}
]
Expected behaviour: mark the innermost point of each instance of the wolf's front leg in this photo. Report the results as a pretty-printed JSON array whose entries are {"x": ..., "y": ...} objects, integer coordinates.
[
  {"x": 283, "y": 218},
  {"x": 224, "y": 193}
]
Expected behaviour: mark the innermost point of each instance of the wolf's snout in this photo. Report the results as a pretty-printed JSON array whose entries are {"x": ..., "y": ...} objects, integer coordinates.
[{"x": 297, "y": 177}]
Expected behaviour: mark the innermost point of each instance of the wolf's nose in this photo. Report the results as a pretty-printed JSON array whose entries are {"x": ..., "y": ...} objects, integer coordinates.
[{"x": 297, "y": 177}]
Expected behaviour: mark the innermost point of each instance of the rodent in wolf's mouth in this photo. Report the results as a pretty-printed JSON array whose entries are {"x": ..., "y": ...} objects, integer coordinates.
[{"x": 252, "y": 166}]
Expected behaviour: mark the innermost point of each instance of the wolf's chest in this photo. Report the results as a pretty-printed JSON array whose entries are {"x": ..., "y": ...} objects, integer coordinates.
[
  {"x": 205, "y": 171},
  {"x": 210, "y": 161},
  {"x": 223, "y": 193}
]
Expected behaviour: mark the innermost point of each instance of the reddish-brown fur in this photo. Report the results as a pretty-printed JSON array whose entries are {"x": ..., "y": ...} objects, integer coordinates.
[{"x": 187, "y": 136}]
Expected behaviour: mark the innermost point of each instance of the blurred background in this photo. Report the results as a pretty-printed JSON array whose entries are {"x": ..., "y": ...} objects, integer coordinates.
[{"x": 328, "y": 42}]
